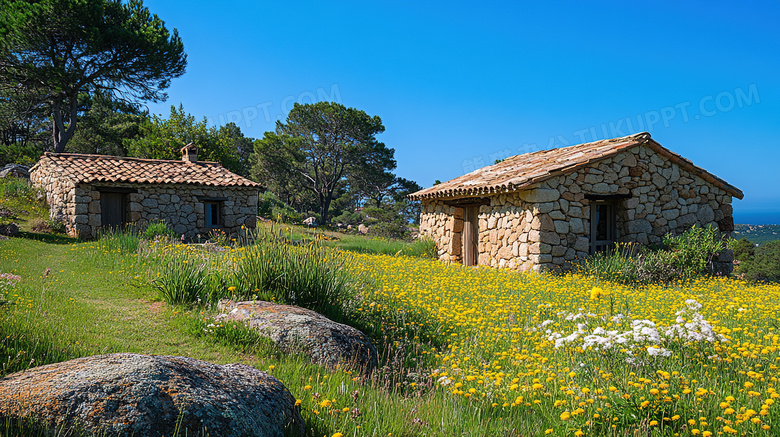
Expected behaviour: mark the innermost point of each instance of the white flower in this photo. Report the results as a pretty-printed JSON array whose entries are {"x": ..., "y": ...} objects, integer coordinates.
[{"x": 655, "y": 351}]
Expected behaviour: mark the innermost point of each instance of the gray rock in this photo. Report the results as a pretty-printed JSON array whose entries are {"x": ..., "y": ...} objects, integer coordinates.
[
  {"x": 130, "y": 394},
  {"x": 296, "y": 329},
  {"x": 16, "y": 170},
  {"x": 705, "y": 215}
]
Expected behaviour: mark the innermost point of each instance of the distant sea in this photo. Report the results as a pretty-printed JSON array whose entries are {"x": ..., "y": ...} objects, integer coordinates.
[{"x": 757, "y": 217}]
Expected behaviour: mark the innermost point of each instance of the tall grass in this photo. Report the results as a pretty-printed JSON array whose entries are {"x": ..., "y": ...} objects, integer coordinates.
[
  {"x": 309, "y": 276},
  {"x": 182, "y": 278}
]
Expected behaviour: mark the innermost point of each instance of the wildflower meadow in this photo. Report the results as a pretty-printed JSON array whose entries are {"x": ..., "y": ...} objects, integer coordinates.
[{"x": 463, "y": 351}]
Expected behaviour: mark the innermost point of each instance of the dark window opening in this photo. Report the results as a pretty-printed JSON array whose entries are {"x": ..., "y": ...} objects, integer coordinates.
[
  {"x": 213, "y": 212},
  {"x": 602, "y": 226}
]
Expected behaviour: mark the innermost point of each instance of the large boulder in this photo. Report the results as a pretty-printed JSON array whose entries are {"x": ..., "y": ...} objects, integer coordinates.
[
  {"x": 296, "y": 329},
  {"x": 16, "y": 170},
  {"x": 141, "y": 395}
]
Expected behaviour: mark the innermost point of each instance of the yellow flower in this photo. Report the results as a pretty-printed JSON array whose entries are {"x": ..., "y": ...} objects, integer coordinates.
[
  {"x": 565, "y": 415},
  {"x": 597, "y": 293},
  {"x": 338, "y": 434}
]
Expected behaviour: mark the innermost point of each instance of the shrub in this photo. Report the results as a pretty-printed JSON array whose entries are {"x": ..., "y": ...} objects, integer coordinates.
[
  {"x": 157, "y": 229},
  {"x": 273, "y": 208},
  {"x": 685, "y": 256},
  {"x": 764, "y": 265},
  {"x": 694, "y": 250},
  {"x": 743, "y": 249}
]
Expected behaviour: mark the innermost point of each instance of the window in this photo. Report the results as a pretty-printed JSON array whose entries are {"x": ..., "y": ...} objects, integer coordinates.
[
  {"x": 213, "y": 212},
  {"x": 602, "y": 226}
]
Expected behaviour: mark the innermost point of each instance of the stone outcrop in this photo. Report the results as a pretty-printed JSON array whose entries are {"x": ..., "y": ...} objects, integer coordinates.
[
  {"x": 547, "y": 225},
  {"x": 15, "y": 170},
  {"x": 141, "y": 395},
  {"x": 298, "y": 330}
]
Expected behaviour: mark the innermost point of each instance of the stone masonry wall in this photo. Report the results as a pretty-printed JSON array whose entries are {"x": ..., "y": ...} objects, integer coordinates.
[
  {"x": 178, "y": 205},
  {"x": 60, "y": 194},
  {"x": 443, "y": 224},
  {"x": 547, "y": 226}
]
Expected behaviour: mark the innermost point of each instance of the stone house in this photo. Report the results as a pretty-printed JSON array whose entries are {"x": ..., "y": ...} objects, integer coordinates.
[
  {"x": 544, "y": 210},
  {"x": 93, "y": 192}
]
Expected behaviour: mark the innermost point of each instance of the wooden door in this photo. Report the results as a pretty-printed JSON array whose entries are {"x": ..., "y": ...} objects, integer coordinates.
[
  {"x": 113, "y": 209},
  {"x": 470, "y": 235},
  {"x": 602, "y": 227}
]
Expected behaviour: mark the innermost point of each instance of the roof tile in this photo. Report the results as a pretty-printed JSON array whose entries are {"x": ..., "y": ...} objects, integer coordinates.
[
  {"x": 520, "y": 171},
  {"x": 100, "y": 168}
]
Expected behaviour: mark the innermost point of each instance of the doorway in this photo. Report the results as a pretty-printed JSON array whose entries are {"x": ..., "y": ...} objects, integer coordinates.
[
  {"x": 470, "y": 235},
  {"x": 602, "y": 226},
  {"x": 113, "y": 209}
]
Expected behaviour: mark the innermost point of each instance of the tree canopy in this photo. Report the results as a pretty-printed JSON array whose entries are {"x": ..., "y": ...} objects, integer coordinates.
[
  {"x": 320, "y": 148},
  {"x": 61, "y": 49},
  {"x": 160, "y": 138},
  {"x": 104, "y": 126},
  {"x": 23, "y": 127}
]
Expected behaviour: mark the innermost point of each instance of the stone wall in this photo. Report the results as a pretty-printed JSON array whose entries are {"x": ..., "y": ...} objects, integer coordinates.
[
  {"x": 547, "y": 226},
  {"x": 443, "y": 224},
  {"x": 60, "y": 193},
  {"x": 181, "y": 206}
]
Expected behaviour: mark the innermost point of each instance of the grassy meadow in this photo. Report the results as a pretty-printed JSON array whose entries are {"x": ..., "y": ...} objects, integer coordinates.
[{"x": 463, "y": 351}]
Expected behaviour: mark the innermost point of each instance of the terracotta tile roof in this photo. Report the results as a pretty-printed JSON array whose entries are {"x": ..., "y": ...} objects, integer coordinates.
[
  {"x": 100, "y": 168},
  {"x": 521, "y": 171}
]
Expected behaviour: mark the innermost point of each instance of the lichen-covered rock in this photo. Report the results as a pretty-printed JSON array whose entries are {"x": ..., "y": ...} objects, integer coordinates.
[
  {"x": 141, "y": 395},
  {"x": 296, "y": 329}
]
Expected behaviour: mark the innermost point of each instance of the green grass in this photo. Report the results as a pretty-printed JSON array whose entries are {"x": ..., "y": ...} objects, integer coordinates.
[
  {"x": 90, "y": 303},
  {"x": 26, "y": 203},
  {"x": 300, "y": 235}
]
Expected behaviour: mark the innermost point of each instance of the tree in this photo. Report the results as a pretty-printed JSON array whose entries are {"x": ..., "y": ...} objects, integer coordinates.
[
  {"x": 61, "y": 49},
  {"x": 233, "y": 142},
  {"x": 160, "y": 138},
  {"x": 318, "y": 148},
  {"x": 105, "y": 125},
  {"x": 373, "y": 179},
  {"x": 23, "y": 132}
]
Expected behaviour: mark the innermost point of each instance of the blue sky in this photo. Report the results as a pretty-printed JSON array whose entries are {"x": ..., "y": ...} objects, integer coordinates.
[{"x": 458, "y": 85}]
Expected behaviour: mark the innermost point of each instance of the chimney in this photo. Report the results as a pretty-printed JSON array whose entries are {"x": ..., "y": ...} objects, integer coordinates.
[{"x": 189, "y": 153}]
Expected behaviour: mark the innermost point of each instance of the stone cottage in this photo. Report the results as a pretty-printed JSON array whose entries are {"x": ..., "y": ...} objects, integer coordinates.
[
  {"x": 543, "y": 210},
  {"x": 94, "y": 192}
]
